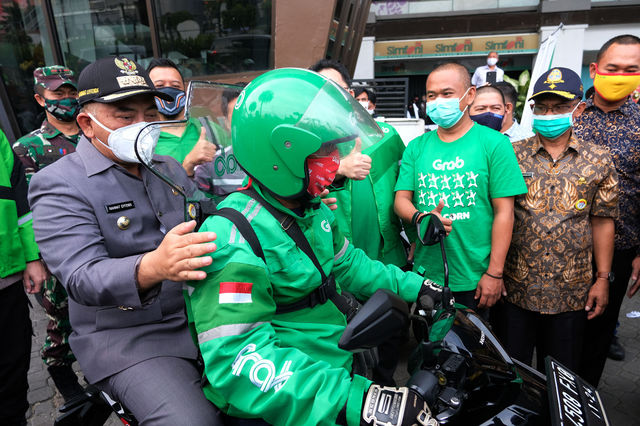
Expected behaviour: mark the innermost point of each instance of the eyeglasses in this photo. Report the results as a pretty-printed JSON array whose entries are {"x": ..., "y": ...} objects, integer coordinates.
[{"x": 539, "y": 109}]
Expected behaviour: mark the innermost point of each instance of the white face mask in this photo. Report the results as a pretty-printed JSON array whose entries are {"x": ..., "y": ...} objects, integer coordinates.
[
  {"x": 122, "y": 141},
  {"x": 365, "y": 105},
  {"x": 492, "y": 61}
]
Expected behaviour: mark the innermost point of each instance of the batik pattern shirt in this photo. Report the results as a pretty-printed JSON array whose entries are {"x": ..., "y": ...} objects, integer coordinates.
[
  {"x": 548, "y": 267},
  {"x": 619, "y": 131}
]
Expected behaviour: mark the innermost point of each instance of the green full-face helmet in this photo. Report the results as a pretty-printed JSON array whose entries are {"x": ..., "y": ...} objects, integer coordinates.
[{"x": 285, "y": 115}]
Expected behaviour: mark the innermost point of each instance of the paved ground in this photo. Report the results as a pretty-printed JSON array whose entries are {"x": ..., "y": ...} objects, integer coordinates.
[{"x": 620, "y": 387}]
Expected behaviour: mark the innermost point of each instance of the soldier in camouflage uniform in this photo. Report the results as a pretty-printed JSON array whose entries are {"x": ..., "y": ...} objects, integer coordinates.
[{"x": 56, "y": 91}]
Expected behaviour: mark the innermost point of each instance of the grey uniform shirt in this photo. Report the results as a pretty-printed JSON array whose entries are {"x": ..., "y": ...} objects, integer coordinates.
[{"x": 76, "y": 204}]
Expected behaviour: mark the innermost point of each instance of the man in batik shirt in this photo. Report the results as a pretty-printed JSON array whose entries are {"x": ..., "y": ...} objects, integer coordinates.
[
  {"x": 612, "y": 119},
  {"x": 563, "y": 222}
]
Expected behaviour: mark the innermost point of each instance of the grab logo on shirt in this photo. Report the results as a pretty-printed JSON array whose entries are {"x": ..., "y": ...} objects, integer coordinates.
[
  {"x": 448, "y": 165},
  {"x": 263, "y": 371}
]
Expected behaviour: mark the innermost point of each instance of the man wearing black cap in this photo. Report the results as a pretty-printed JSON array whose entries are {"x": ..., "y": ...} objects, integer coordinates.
[
  {"x": 562, "y": 222},
  {"x": 112, "y": 232}
]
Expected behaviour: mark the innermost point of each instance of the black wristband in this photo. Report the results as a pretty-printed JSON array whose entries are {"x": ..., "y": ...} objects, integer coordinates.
[
  {"x": 414, "y": 218},
  {"x": 493, "y": 276}
]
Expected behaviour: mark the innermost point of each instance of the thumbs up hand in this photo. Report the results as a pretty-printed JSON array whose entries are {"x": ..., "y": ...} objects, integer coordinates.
[
  {"x": 445, "y": 221},
  {"x": 355, "y": 165}
]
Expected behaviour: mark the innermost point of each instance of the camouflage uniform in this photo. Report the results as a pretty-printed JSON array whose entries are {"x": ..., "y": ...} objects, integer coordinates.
[{"x": 36, "y": 150}]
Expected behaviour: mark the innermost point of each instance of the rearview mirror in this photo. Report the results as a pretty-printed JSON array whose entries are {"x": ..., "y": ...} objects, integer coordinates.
[
  {"x": 383, "y": 315},
  {"x": 432, "y": 232}
]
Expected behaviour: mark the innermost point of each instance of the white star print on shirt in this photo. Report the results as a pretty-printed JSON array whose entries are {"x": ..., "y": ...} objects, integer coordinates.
[
  {"x": 422, "y": 195},
  {"x": 445, "y": 197},
  {"x": 432, "y": 198},
  {"x": 433, "y": 182},
  {"x": 471, "y": 179},
  {"x": 471, "y": 198},
  {"x": 421, "y": 178},
  {"x": 457, "y": 197},
  {"x": 445, "y": 182},
  {"x": 457, "y": 179}
]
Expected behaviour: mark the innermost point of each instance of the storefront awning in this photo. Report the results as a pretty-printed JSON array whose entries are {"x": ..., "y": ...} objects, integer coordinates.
[{"x": 456, "y": 46}]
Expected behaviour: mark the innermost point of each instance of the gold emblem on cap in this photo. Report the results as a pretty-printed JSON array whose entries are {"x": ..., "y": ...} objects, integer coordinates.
[
  {"x": 555, "y": 76},
  {"x": 126, "y": 66},
  {"x": 123, "y": 222},
  {"x": 582, "y": 181},
  {"x": 191, "y": 210}
]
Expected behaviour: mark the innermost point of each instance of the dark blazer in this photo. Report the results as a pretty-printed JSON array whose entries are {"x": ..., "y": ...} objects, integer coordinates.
[{"x": 76, "y": 204}]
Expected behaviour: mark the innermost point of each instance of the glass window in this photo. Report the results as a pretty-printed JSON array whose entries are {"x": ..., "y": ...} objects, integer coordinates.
[
  {"x": 215, "y": 37},
  {"x": 90, "y": 30},
  {"x": 24, "y": 46}
]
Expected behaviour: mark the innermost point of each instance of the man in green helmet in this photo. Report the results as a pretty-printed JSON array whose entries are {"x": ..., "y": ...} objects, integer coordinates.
[{"x": 268, "y": 323}]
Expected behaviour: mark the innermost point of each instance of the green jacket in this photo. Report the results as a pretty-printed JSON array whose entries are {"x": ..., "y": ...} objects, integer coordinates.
[
  {"x": 379, "y": 235},
  {"x": 17, "y": 241},
  {"x": 284, "y": 368}
]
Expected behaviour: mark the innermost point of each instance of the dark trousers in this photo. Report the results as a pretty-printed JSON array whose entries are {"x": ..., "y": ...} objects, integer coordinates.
[
  {"x": 466, "y": 298},
  {"x": 15, "y": 355},
  {"x": 557, "y": 335},
  {"x": 600, "y": 329}
]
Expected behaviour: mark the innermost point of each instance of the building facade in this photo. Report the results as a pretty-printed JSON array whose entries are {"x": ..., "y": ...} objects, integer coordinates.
[
  {"x": 408, "y": 38},
  {"x": 221, "y": 40}
]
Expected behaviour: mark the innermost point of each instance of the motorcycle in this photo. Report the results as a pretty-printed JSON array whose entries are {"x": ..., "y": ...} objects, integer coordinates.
[
  {"x": 459, "y": 367},
  {"x": 462, "y": 371}
]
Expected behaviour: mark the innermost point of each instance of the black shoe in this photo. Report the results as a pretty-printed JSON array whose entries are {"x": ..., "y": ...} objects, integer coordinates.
[
  {"x": 66, "y": 381},
  {"x": 616, "y": 351}
]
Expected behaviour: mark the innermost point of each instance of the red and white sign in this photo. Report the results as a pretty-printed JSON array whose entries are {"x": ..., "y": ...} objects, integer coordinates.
[{"x": 231, "y": 292}]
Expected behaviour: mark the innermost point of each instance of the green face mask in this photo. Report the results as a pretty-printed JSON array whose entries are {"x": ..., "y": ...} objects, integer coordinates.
[
  {"x": 63, "y": 109},
  {"x": 553, "y": 126}
]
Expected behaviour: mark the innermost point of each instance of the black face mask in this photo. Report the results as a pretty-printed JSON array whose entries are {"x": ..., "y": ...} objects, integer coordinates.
[
  {"x": 489, "y": 119},
  {"x": 171, "y": 109}
]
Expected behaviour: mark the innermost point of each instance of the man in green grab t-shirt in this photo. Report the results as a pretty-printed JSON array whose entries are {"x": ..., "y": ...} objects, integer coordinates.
[{"x": 472, "y": 171}]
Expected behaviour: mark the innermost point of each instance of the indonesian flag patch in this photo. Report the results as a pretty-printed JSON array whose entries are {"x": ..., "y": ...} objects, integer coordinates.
[{"x": 231, "y": 292}]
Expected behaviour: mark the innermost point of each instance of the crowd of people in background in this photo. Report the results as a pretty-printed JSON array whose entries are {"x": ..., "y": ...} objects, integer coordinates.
[{"x": 544, "y": 229}]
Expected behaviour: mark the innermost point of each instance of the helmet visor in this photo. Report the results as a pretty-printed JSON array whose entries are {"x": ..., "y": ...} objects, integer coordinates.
[{"x": 339, "y": 121}]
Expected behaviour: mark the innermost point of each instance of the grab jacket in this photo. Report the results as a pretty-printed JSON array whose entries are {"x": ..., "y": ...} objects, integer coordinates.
[
  {"x": 285, "y": 368},
  {"x": 17, "y": 242},
  {"x": 385, "y": 244}
]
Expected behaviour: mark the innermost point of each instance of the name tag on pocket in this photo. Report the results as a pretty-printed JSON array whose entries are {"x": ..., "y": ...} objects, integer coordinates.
[
  {"x": 118, "y": 207},
  {"x": 527, "y": 174}
]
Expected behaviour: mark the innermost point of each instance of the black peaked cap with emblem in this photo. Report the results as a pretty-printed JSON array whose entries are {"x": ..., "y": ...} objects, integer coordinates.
[
  {"x": 113, "y": 79},
  {"x": 559, "y": 81}
]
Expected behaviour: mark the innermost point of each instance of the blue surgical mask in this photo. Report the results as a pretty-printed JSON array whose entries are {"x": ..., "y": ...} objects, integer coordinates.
[
  {"x": 171, "y": 109},
  {"x": 553, "y": 126},
  {"x": 489, "y": 119},
  {"x": 446, "y": 112}
]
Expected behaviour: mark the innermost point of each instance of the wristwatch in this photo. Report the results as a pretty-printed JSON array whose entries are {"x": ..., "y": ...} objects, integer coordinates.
[{"x": 608, "y": 275}]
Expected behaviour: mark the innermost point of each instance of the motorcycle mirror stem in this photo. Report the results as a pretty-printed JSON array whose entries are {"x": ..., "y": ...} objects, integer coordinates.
[
  {"x": 193, "y": 208},
  {"x": 435, "y": 233}
]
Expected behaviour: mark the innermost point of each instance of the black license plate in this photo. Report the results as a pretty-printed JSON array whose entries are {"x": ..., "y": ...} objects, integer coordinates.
[{"x": 572, "y": 400}]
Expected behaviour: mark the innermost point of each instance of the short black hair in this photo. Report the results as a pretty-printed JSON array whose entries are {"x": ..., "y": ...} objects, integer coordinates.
[
  {"x": 621, "y": 39},
  {"x": 589, "y": 93},
  {"x": 494, "y": 89},
  {"x": 508, "y": 91},
  {"x": 163, "y": 63},
  {"x": 230, "y": 94},
  {"x": 462, "y": 71},
  {"x": 370, "y": 93},
  {"x": 323, "y": 64}
]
